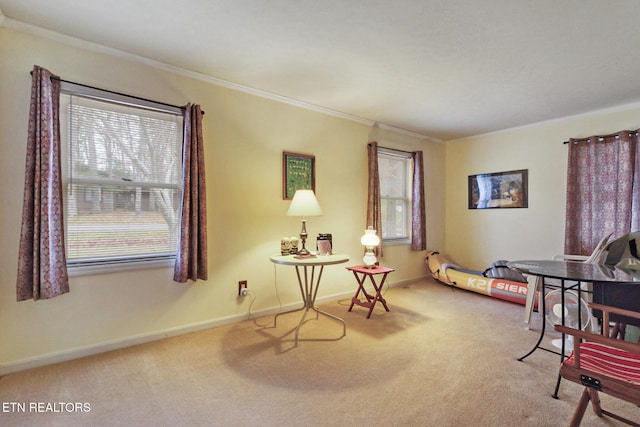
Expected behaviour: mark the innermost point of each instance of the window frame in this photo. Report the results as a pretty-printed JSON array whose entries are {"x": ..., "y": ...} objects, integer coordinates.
[
  {"x": 99, "y": 265},
  {"x": 407, "y": 198}
]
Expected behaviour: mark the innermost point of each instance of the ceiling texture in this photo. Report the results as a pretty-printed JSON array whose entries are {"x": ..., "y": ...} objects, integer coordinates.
[{"x": 444, "y": 69}]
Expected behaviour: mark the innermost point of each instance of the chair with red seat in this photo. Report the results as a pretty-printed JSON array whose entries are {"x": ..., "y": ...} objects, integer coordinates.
[{"x": 603, "y": 364}]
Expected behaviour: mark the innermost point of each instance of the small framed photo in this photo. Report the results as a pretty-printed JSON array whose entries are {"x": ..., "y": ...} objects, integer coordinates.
[
  {"x": 298, "y": 173},
  {"x": 499, "y": 190},
  {"x": 324, "y": 247}
]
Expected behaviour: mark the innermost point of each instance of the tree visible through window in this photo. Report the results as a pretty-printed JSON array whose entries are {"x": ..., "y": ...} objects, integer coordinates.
[
  {"x": 122, "y": 172},
  {"x": 395, "y": 194}
]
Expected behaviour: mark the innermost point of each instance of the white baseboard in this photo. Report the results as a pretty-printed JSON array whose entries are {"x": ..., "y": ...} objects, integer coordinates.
[{"x": 78, "y": 352}]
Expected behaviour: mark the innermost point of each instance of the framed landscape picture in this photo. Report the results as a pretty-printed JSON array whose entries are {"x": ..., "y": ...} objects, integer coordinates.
[
  {"x": 298, "y": 173},
  {"x": 499, "y": 190}
]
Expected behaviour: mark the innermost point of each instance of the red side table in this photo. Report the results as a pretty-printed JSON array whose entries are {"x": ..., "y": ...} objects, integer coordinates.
[{"x": 371, "y": 300}]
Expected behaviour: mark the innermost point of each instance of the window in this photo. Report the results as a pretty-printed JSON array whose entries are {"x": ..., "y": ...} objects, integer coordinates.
[
  {"x": 395, "y": 170},
  {"x": 122, "y": 169}
]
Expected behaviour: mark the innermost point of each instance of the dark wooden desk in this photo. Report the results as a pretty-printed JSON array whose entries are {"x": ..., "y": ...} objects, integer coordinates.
[
  {"x": 569, "y": 275},
  {"x": 620, "y": 295}
]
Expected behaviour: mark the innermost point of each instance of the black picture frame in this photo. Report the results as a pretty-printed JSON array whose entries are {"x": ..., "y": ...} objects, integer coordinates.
[
  {"x": 298, "y": 173},
  {"x": 499, "y": 190}
]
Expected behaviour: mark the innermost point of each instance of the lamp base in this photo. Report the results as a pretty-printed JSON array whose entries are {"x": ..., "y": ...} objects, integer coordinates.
[
  {"x": 303, "y": 252},
  {"x": 369, "y": 259}
]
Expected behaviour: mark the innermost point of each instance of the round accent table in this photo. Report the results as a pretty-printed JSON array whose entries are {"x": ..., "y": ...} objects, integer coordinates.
[{"x": 309, "y": 282}]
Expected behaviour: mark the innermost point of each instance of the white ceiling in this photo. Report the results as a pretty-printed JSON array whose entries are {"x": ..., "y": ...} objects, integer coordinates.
[{"x": 442, "y": 68}]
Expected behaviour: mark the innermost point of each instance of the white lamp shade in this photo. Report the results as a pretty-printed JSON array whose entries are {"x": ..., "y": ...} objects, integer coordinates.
[
  {"x": 370, "y": 238},
  {"x": 304, "y": 203}
]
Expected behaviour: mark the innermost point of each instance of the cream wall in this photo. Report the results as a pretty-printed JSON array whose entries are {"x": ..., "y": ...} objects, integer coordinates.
[
  {"x": 245, "y": 136},
  {"x": 475, "y": 238}
]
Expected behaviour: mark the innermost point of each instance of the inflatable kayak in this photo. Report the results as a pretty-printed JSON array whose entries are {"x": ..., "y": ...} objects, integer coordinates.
[{"x": 497, "y": 281}]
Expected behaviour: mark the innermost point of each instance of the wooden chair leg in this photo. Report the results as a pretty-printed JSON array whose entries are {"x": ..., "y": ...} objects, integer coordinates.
[
  {"x": 595, "y": 401},
  {"x": 582, "y": 406}
]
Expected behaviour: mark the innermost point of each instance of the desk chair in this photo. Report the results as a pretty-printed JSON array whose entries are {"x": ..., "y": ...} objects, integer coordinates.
[
  {"x": 623, "y": 253},
  {"x": 603, "y": 364}
]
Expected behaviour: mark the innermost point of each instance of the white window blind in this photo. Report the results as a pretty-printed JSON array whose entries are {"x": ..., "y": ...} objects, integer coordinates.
[
  {"x": 395, "y": 194},
  {"x": 122, "y": 173}
]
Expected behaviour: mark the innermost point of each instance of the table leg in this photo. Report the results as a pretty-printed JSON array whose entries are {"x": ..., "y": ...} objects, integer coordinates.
[
  {"x": 356, "y": 298},
  {"x": 371, "y": 299},
  {"x": 378, "y": 296},
  {"x": 541, "y": 303},
  {"x": 309, "y": 290},
  {"x": 304, "y": 301}
]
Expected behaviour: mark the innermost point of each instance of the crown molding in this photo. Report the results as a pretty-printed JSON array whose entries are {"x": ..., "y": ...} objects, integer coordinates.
[{"x": 94, "y": 47}]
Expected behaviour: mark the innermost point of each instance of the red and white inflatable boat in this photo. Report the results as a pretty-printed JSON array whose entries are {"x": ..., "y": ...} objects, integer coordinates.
[{"x": 444, "y": 271}]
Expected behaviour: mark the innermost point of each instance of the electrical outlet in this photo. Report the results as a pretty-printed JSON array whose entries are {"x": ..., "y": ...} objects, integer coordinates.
[{"x": 242, "y": 288}]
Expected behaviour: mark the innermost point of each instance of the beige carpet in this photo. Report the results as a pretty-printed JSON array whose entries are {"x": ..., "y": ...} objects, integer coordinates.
[{"x": 440, "y": 357}]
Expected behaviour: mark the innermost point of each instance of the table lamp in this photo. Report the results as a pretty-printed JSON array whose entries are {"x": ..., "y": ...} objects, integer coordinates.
[
  {"x": 304, "y": 204},
  {"x": 369, "y": 240}
]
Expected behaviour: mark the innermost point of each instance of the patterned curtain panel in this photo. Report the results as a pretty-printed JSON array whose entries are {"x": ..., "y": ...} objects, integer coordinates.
[
  {"x": 418, "y": 220},
  {"x": 191, "y": 258},
  {"x": 603, "y": 189},
  {"x": 42, "y": 264},
  {"x": 374, "y": 214}
]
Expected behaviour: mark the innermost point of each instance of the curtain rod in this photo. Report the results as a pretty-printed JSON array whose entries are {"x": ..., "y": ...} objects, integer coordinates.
[
  {"x": 604, "y": 136},
  {"x": 395, "y": 149},
  {"x": 182, "y": 107}
]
